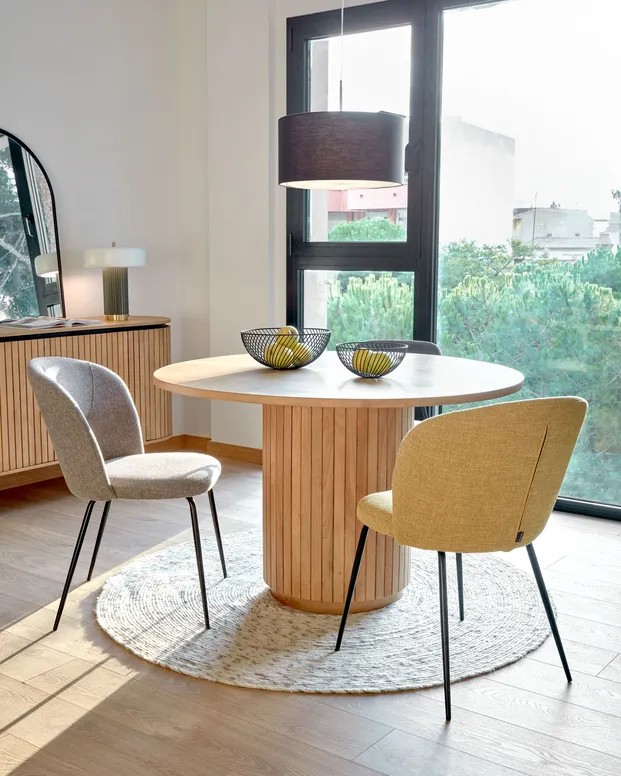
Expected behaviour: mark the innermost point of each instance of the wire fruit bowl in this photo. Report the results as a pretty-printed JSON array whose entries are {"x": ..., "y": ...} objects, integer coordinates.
[
  {"x": 374, "y": 358},
  {"x": 291, "y": 350}
]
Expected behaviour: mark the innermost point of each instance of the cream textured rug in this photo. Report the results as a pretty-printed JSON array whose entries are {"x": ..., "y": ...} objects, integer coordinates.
[{"x": 153, "y": 608}]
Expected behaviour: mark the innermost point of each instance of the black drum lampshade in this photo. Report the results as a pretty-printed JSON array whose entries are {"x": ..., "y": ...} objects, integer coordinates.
[{"x": 340, "y": 150}]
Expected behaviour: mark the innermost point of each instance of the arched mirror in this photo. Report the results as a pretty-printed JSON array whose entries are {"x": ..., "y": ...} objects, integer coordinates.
[{"x": 30, "y": 272}]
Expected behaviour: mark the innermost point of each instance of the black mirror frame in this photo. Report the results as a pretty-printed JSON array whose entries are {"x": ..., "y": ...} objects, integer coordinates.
[{"x": 18, "y": 140}]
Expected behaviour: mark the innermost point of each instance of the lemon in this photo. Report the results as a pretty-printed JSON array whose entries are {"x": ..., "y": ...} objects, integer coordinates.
[
  {"x": 301, "y": 353},
  {"x": 371, "y": 362},
  {"x": 288, "y": 336},
  {"x": 278, "y": 356}
]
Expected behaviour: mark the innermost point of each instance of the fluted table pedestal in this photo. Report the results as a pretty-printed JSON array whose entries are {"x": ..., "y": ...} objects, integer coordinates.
[{"x": 318, "y": 462}]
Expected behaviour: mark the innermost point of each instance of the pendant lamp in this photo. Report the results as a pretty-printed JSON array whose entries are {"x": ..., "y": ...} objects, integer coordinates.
[{"x": 339, "y": 150}]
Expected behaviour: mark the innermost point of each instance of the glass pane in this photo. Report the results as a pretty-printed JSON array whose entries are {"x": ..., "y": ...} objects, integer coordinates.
[
  {"x": 376, "y": 77},
  {"x": 530, "y": 266},
  {"x": 17, "y": 292},
  {"x": 360, "y": 305}
]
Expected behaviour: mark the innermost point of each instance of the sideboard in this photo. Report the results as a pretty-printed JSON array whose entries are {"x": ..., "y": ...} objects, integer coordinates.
[{"x": 133, "y": 349}]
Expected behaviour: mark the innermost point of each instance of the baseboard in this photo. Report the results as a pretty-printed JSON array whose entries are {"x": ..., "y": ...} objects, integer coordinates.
[
  {"x": 15, "y": 479},
  {"x": 199, "y": 444},
  {"x": 221, "y": 449}
]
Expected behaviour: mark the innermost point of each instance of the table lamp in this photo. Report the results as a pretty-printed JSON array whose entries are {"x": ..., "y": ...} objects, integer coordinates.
[
  {"x": 46, "y": 265},
  {"x": 114, "y": 262}
]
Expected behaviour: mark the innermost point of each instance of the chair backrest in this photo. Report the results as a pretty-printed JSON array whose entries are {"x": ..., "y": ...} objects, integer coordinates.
[
  {"x": 484, "y": 479},
  {"x": 422, "y": 346},
  {"x": 428, "y": 349},
  {"x": 91, "y": 418}
]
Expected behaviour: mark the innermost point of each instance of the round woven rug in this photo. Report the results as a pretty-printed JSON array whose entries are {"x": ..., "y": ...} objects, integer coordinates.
[{"x": 153, "y": 608}]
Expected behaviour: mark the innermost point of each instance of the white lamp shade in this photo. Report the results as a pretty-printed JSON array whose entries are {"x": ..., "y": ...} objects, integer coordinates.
[
  {"x": 46, "y": 265},
  {"x": 115, "y": 257}
]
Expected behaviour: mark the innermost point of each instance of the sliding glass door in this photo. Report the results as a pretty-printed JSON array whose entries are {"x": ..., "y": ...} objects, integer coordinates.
[
  {"x": 529, "y": 259},
  {"x": 504, "y": 244}
]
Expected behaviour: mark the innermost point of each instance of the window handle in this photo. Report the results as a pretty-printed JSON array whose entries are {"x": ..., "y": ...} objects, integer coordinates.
[
  {"x": 412, "y": 157},
  {"x": 28, "y": 222}
]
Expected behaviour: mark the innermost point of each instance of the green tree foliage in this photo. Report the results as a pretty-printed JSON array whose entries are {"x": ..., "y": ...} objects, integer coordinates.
[
  {"x": 8, "y": 193},
  {"x": 465, "y": 258},
  {"x": 558, "y": 323},
  {"x": 564, "y": 334},
  {"x": 17, "y": 292},
  {"x": 367, "y": 230},
  {"x": 371, "y": 307},
  {"x": 602, "y": 267}
]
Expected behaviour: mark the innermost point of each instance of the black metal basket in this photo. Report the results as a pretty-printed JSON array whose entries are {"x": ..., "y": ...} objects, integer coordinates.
[
  {"x": 374, "y": 358},
  {"x": 285, "y": 351}
]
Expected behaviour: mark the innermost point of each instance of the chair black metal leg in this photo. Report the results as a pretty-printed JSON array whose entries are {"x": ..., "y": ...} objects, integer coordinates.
[
  {"x": 444, "y": 628},
  {"x": 100, "y": 533},
  {"x": 548, "y": 607},
  {"x": 74, "y": 561},
  {"x": 460, "y": 584},
  {"x": 352, "y": 584},
  {"x": 216, "y": 528},
  {"x": 199, "y": 558}
]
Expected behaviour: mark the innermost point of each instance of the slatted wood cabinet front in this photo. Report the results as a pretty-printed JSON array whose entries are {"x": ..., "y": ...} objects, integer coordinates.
[{"x": 133, "y": 354}]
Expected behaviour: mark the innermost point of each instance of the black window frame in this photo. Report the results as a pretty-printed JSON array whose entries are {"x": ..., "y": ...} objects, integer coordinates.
[{"x": 421, "y": 158}]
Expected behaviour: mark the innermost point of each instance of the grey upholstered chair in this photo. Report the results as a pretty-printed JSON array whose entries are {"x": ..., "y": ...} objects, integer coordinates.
[
  {"x": 423, "y": 346},
  {"x": 96, "y": 434}
]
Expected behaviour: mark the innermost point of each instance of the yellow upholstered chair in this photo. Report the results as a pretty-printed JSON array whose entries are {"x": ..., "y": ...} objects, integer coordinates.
[{"x": 480, "y": 480}]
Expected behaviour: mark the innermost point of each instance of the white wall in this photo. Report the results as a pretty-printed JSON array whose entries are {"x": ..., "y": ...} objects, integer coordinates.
[
  {"x": 110, "y": 96},
  {"x": 477, "y": 184}
]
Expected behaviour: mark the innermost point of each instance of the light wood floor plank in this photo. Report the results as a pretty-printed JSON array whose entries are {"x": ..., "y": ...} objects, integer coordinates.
[
  {"x": 613, "y": 670},
  {"x": 402, "y": 754},
  {"x": 597, "y": 634},
  {"x": 587, "y": 609},
  {"x": 557, "y": 718},
  {"x": 582, "y": 657},
  {"x": 22, "y": 759},
  {"x": 584, "y": 586},
  {"x": 591, "y": 692},
  {"x": 22, "y": 659},
  {"x": 104, "y": 747},
  {"x": 592, "y": 569},
  {"x": 486, "y": 738},
  {"x": 160, "y": 701}
]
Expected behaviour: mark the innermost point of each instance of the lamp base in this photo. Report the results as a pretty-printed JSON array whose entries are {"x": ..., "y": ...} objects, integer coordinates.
[{"x": 116, "y": 301}]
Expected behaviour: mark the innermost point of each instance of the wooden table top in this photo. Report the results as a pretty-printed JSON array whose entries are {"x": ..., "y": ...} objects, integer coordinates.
[{"x": 420, "y": 380}]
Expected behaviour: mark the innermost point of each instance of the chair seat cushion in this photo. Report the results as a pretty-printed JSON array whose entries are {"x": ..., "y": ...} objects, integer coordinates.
[
  {"x": 162, "y": 475},
  {"x": 375, "y": 511}
]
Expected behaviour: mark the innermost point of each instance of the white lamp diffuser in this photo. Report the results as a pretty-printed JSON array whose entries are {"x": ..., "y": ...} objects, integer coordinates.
[{"x": 115, "y": 262}]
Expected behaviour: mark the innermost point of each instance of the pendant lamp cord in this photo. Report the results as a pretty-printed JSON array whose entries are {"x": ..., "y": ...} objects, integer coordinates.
[{"x": 342, "y": 48}]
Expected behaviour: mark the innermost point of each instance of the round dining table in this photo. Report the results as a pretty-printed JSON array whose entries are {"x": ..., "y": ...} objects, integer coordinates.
[{"x": 330, "y": 438}]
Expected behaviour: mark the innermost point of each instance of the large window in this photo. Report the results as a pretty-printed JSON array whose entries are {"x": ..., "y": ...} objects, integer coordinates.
[{"x": 504, "y": 244}]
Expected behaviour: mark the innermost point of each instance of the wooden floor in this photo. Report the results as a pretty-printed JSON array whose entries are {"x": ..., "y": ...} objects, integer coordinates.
[{"x": 74, "y": 703}]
